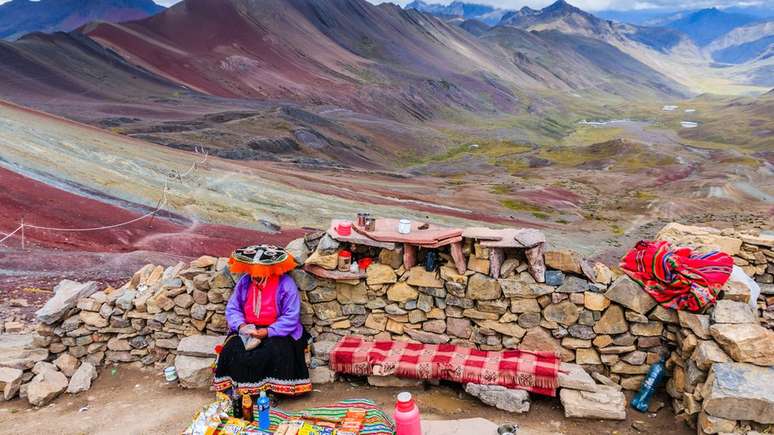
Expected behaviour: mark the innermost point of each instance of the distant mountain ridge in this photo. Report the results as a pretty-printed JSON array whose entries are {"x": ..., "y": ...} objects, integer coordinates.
[
  {"x": 486, "y": 14},
  {"x": 380, "y": 59},
  {"x": 19, "y": 17},
  {"x": 705, "y": 25},
  {"x": 744, "y": 43},
  {"x": 566, "y": 18}
]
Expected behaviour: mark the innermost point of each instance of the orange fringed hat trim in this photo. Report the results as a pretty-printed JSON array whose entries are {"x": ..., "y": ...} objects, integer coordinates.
[{"x": 261, "y": 270}]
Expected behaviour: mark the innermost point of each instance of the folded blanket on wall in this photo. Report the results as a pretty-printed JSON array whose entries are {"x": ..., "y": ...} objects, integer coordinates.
[
  {"x": 680, "y": 278},
  {"x": 536, "y": 372}
]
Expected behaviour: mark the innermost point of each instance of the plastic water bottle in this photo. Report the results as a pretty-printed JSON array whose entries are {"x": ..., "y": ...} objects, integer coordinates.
[
  {"x": 406, "y": 416},
  {"x": 641, "y": 400},
  {"x": 263, "y": 411}
]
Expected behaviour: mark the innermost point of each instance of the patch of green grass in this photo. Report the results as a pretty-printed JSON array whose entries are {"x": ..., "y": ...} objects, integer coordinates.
[
  {"x": 518, "y": 205},
  {"x": 645, "y": 196},
  {"x": 587, "y": 135},
  {"x": 617, "y": 230},
  {"x": 500, "y": 189},
  {"x": 541, "y": 215}
]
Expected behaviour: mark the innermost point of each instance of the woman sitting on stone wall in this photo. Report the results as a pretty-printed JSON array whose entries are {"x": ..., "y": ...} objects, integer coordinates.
[{"x": 266, "y": 344}]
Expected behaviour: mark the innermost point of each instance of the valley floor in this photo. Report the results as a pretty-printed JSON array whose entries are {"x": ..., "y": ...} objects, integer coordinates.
[{"x": 135, "y": 401}]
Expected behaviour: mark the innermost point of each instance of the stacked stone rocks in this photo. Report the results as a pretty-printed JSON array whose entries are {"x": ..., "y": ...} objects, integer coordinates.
[
  {"x": 756, "y": 258},
  {"x": 144, "y": 322},
  {"x": 752, "y": 252},
  {"x": 599, "y": 323},
  {"x": 609, "y": 327},
  {"x": 723, "y": 369},
  {"x": 723, "y": 362}
]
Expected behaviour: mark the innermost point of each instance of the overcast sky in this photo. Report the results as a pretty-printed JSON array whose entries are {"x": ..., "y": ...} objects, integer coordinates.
[
  {"x": 595, "y": 5},
  {"x": 591, "y": 5}
]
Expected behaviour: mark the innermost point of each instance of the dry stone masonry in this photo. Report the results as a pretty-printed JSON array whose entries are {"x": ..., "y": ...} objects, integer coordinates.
[{"x": 606, "y": 329}]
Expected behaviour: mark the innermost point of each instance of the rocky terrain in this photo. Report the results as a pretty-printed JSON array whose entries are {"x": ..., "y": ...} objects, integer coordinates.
[
  {"x": 605, "y": 328},
  {"x": 375, "y": 110}
]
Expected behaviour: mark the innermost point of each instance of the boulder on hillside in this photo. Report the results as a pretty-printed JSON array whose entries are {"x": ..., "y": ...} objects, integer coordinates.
[
  {"x": 564, "y": 260},
  {"x": 81, "y": 380},
  {"x": 745, "y": 342},
  {"x": 298, "y": 249},
  {"x": 10, "y": 381},
  {"x": 19, "y": 351},
  {"x": 738, "y": 391},
  {"x": 605, "y": 403},
  {"x": 194, "y": 372},
  {"x": 66, "y": 295},
  {"x": 321, "y": 375},
  {"x": 45, "y": 387},
  {"x": 687, "y": 235},
  {"x": 516, "y": 401},
  {"x": 630, "y": 294},
  {"x": 727, "y": 311},
  {"x": 67, "y": 363},
  {"x": 202, "y": 346},
  {"x": 573, "y": 376}
]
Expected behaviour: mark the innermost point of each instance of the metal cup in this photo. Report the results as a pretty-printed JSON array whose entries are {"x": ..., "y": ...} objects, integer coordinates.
[
  {"x": 508, "y": 429},
  {"x": 361, "y": 219}
]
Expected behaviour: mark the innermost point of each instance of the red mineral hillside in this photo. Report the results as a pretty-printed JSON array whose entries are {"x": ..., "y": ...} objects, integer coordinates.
[{"x": 102, "y": 254}]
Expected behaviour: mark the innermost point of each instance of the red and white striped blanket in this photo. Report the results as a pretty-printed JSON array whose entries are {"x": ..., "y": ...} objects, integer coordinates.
[{"x": 536, "y": 372}]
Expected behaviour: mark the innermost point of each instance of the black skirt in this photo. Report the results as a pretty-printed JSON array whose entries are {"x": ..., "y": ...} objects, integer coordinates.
[{"x": 278, "y": 364}]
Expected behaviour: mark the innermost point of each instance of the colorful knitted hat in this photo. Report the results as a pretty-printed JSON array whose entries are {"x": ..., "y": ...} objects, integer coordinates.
[{"x": 261, "y": 261}]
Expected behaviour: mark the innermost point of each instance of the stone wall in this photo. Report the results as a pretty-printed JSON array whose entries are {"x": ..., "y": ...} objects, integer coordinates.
[{"x": 593, "y": 318}]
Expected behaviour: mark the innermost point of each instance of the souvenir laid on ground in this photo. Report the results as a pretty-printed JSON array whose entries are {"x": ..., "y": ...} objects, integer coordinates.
[
  {"x": 344, "y": 415},
  {"x": 348, "y": 417}
]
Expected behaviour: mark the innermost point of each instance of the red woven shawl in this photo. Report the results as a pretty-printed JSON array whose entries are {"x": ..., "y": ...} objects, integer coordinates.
[
  {"x": 536, "y": 372},
  {"x": 678, "y": 278}
]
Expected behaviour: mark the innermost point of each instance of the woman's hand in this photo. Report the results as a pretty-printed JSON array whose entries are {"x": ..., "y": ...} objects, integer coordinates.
[{"x": 260, "y": 333}]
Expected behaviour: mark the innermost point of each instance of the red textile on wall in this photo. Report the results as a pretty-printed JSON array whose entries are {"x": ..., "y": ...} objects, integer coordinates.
[{"x": 678, "y": 278}]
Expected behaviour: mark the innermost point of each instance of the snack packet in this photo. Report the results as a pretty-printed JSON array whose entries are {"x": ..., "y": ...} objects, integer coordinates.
[{"x": 233, "y": 426}]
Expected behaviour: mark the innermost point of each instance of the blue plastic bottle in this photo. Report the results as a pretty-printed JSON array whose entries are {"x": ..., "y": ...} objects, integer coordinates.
[
  {"x": 641, "y": 400},
  {"x": 263, "y": 411}
]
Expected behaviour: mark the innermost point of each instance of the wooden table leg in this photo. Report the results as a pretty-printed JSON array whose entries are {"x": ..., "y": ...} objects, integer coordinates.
[
  {"x": 536, "y": 263},
  {"x": 459, "y": 257},
  {"x": 409, "y": 256},
  {"x": 496, "y": 258}
]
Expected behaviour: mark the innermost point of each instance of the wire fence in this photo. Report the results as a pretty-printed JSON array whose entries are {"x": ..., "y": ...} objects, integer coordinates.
[{"x": 163, "y": 201}]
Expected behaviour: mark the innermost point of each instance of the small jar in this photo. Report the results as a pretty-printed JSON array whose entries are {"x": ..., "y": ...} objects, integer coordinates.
[
  {"x": 404, "y": 226},
  {"x": 345, "y": 261},
  {"x": 370, "y": 223}
]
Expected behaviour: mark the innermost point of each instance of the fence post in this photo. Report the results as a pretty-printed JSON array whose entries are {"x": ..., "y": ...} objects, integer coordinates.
[{"x": 22, "y": 230}]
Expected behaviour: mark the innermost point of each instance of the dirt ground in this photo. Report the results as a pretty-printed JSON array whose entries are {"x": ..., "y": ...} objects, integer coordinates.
[{"x": 138, "y": 401}]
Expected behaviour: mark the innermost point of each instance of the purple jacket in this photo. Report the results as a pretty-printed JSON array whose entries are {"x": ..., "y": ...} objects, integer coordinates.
[{"x": 288, "y": 308}]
